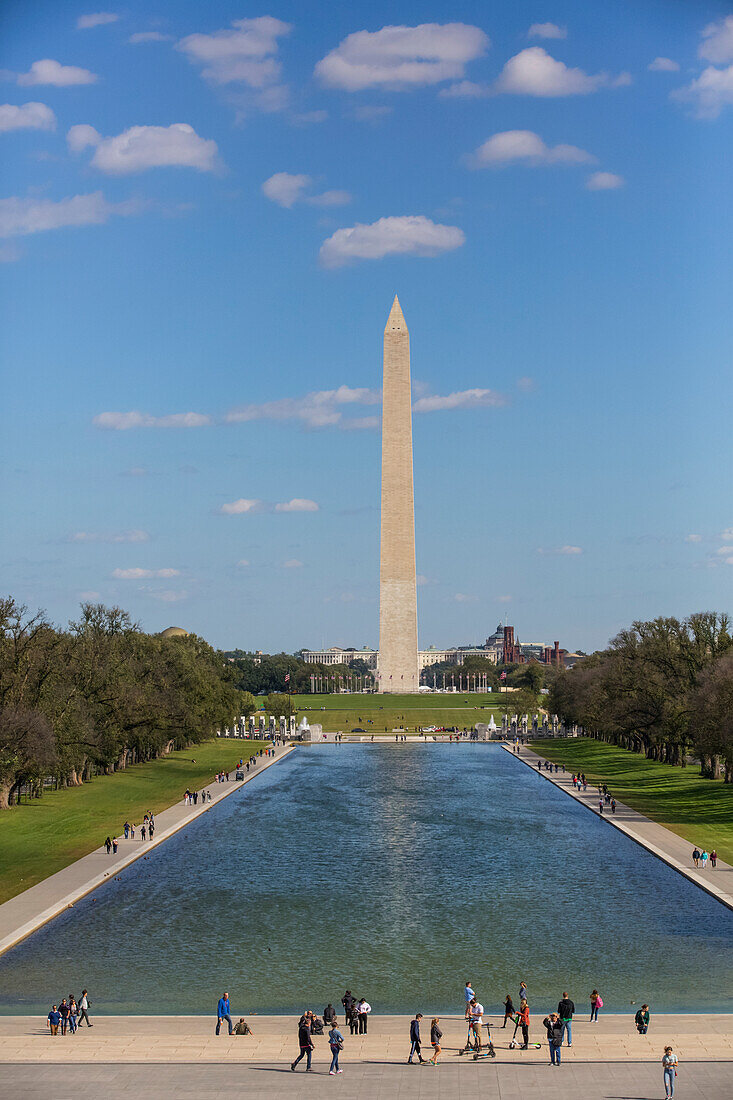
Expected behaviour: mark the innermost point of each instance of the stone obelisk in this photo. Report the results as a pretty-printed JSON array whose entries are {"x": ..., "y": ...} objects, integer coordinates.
[{"x": 398, "y": 661}]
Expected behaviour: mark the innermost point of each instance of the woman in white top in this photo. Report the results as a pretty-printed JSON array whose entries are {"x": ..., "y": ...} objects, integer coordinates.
[{"x": 669, "y": 1071}]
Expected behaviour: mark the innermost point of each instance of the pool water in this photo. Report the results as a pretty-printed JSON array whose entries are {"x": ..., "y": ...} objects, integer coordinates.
[{"x": 398, "y": 871}]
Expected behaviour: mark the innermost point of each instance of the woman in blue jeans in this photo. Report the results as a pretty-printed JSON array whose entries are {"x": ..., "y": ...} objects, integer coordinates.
[
  {"x": 669, "y": 1067},
  {"x": 336, "y": 1042},
  {"x": 595, "y": 1004}
]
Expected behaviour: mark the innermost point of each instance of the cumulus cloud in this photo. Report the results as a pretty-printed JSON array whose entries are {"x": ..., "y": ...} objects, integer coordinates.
[
  {"x": 148, "y": 36},
  {"x": 525, "y": 147},
  {"x": 413, "y": 235},
  {"x": 604, "y": 181},
  {"x": 724, "y": 550},
  {"x": 663, "y": 65},
  {"x": 401, "y": 57},
  {"x": 286, "y": 188},
  {"x": 292, "y": 563},
  {"x": 96, "y": 19},
  {"x": 29, "y": 116},
  {"x": 21, "y": 216},
  {"x": 547, "y": 30},
  {"x": 245, "y": 54},
  {"x": 695, "y": 538},
  {"x": 709, "y": 93},
  {"x": 461, "y": 399},
  {"x": 143, "y": 147},
  {"x": 53, "y": 72},
  {"x": 534, "y": 72},
  {"x": 112, "y": 537},
  {"x": 136, "y": 574},
  {"x": 717, "y": 43},
  {"x": 567, "y": 551},
  {"x": 241, "y": 507},
  {"x": 727, "y": 535},
  {"x": 123, "y": 421},
  {"x": 297, "y": 504},
  {"x": 318, "y": 409}
]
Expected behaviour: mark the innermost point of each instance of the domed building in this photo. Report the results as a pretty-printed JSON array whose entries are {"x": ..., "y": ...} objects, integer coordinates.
[{"x": 174, "y": 632}]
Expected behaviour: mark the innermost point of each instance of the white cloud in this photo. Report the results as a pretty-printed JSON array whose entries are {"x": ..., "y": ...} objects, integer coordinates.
[
  {"x": 242, "y": 55},
  {"x": 96, "y": 19},
  {"x": 462, "y": 399},
  {"x": 89, "y": 595},
  {"x": 695, "y": 538},
  {"x": 604, "y": 181},
  {"x": 525, "y": 384},
  {"x": 319, "y": 409},
  {"x": 723, "y": 551},
  {"x": 242, "y": 563},
  {"x": 114, "y": 537},
  {"x": 567, "y": 551},
  {"x": 534, "y": 72},
  {"x": 663, "y": 65},
  {"x": 123, "y": 421},
  {"x": 525, "y": 147},
  {"x": 286, "y": 188},
  {"x": 148, "y": 36},
  {"x": 396, "y": 236},
  {"x": 709, "y": 93},
  {"x": 292, "y": 563},
  {"x": 402, "y": 57},
  {"x": 465, "y": 89},
  {"x": 547, "y": 30},
  {"x": 727, "y": 534},
  {"x": 461, "y": 597},
  {"x": 717, "y": 44},
  {"x": 143, "y": 147},
  {"x": 297, "y": 504},
  {"x": 53, "y": 72},
  {"x": 421, "y": 580},
  {"x": 504, "y": 599},
  {"x": 241, "y": 507},
  {"x": 29, "y": 116},
  {"x": 360, "y": 424},
  {"x": 21, "y": 216},
  {"x": 136, "y": 574}
]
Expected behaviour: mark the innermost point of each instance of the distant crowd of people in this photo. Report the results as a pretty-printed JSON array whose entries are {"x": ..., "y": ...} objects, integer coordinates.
[
  {"x": 700, "y": 857},
  {"x": 66, "y": 1017}
]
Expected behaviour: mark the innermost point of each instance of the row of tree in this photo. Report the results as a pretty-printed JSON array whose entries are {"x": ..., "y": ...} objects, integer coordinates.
[
  {"x": 100, "y": 695},
  {"x": 664, "y": 688}
]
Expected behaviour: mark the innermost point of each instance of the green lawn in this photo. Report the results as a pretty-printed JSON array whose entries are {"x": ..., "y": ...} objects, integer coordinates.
[
  {"x": 700, "y": 810},
  {"x": 374, "y": 712},
  {"x": 40, "y": 837}
]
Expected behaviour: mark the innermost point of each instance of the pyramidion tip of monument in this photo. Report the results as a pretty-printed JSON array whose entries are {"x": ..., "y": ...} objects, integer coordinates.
[{"x": 396, "y": 319}]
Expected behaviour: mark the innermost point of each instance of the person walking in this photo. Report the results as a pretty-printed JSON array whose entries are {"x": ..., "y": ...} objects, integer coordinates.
[
  {"x": 696, "y": 855},
  {"x": 523, "y": 995},
  {"x": 114, "y": 846},
  {"x": 435, "y": 1036},
  {"x": 143, "y": 828},
  {"x": 84, "y": 1009},
  {"x": 348, "y": 1001},
  {"x": 704, "y": 858},
  {"x": 64, "y": 1014},
  {"x": 565, "y": 1010},
  {"x": 596, "y": 1002},
  {"x": 522, "y": 1021},
  {"x": 363, "y": 1009},
  {"x": 73, "y": 1015},
  {"x": 108, "y": 844},
  {"x": 305, "y": 1043},
  {"x": 554, "y": 1028},
  {"x": 713, "y": 859},
  {"x": 126, "y": 828},
  {"x": 641, "y": 1019},
  {"x": 415, "y": 1047},
  {"x": 336, "y": 1043},
  {"x": 508, "y": 1009},
  {"x": 54, "y": 1019},
  {"x": 223, "y": 1012},
  {"x": 669, "y": 1071},
  {"x": 469, "y": 994}
]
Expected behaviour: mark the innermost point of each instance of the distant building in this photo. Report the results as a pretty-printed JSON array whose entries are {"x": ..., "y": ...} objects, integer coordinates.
[{"x": 338, "y": 656}]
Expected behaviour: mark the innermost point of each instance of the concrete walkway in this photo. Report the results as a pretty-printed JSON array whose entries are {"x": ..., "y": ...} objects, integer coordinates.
[
  {"x": 36, "y": 906},
  {"x": 661, "y": 842},
  {"x": 116, "y": 1058}
]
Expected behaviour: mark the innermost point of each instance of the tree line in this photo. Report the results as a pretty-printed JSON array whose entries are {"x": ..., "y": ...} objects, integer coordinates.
[
  {"x": 663, "y": 688},
  {"x": 100, "y": 695}
]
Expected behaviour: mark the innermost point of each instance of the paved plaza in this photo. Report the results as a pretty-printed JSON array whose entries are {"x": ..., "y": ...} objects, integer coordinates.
[{"x": 181, "y": 1056}]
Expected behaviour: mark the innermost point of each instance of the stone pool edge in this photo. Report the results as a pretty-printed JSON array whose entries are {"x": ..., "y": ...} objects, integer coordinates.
[
  {"x": 14, "y": 933},
  {"x": 530, "y": 758}
]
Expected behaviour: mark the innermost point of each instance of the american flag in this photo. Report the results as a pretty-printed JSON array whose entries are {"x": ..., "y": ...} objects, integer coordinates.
[
  {"x": 503, "y": 676},
  {"x": 287, "y": 678}
]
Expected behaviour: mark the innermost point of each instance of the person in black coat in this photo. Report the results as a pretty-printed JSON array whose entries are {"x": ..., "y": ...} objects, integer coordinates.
[
  {"x": 415, "y": 1039},
  {"x": 565, "y": 1010},
  {"x": 553, "y": 1025},
  {"x": 304, "y": 1042},
  {"x": 329, "y": 1014}
]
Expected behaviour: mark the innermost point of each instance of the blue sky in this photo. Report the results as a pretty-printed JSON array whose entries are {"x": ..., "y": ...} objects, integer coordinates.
[{"x": 205, "y": 214}]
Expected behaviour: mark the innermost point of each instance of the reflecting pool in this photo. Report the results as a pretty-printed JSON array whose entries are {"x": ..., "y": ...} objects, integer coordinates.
[{"x": 397, "y": 871}]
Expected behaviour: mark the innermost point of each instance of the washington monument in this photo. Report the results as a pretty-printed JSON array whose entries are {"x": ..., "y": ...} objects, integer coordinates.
[{"x": 398, "y": 662}]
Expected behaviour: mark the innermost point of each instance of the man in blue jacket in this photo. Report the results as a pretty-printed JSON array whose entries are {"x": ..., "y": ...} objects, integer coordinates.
[
  {"x": 415, "y": 1039},
  {"x": 223, "y": 1012}
]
